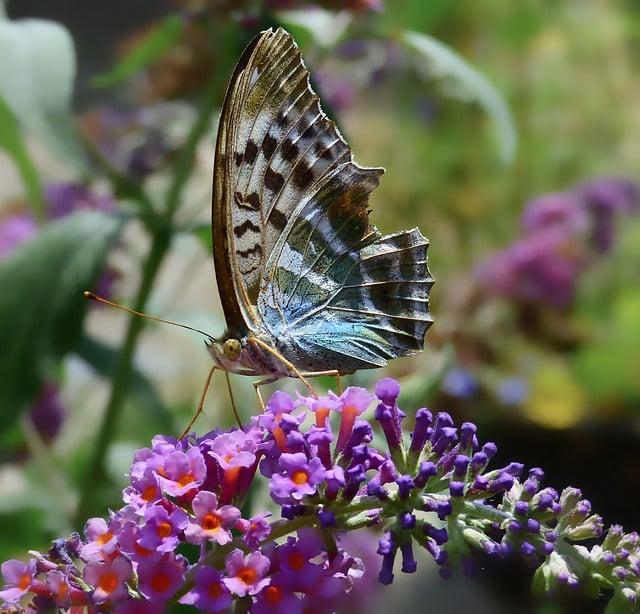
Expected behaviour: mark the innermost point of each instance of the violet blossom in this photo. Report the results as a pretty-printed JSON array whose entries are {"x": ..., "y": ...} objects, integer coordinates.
[{"x": 431, "y": 488}]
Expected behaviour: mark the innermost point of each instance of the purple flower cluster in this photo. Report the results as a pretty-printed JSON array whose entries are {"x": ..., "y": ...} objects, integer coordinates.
[
  {"x": 140, "y": 142},
  {"x": 181, "y": 535},
  {"x": 562, "y": 234}
]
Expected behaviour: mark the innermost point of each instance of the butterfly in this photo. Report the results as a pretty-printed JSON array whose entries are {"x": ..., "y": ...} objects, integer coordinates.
[{"x": 308, "y": 285}]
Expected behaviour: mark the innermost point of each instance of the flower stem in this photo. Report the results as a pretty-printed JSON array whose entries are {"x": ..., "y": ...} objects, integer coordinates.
[
  {"x": 96, "y": 474},
  {"x": 161, "y": 239}
]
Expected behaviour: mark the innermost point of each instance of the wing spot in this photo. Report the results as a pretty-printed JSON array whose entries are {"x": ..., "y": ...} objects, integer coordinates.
[
  {"x": 252, "y": 202},
  {"x": 278, "y": 219},
  {"x": 273, "y": 180},
  {"x": 250, "y": 152},
  {"x": 268, "y": 146},
  {"x": 256, "y": 249},
  {"x": 302, "y": 175},
  {"x": 289, "y": 150},
  {"x": 246, "y": 225}
]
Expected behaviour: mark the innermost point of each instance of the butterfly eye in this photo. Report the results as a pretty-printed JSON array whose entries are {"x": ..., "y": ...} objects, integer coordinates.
[{"x": 231, "y": 349}]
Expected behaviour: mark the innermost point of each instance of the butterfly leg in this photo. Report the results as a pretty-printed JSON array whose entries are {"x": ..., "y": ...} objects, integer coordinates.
[
  {"x": 333, "y": 373},
  {"x": 200, "y": 408},
  {"x": 262, "y": 382},
  {"x": 284, "y": 361}
]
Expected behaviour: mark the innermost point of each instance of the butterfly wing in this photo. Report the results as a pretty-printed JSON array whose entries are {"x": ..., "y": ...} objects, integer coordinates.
[
  {"x": 274, "y": 146},
  {"x": 338, "y": 294}
]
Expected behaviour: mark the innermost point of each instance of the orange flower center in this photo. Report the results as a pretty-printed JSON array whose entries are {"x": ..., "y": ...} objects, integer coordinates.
[
  {"x": 141, "y": 550},
  {"x": 273, "y": 595},
  {"x": 105, "y": 538},
  {"x": 280, "y": 437},
  {"x": 321, "y": 416},
  {"x": 150, "y": 493},
  {"x": 299, "y": 477},
  {"x": 210, "y": 522},
  {"x": 185, "y": 479},
  {"x": 231, "y": 477},
  {"x": 108, "y": 582},
  {"x": 160, "y": 582},
  {"x": 349, "y": 411},
  {"x": 248, "y": 575},
  {"x": 63, "y": 591},
  {"x": 296, "y": 561},
  {"x": 164, "y": 529},
  {"x": 25, "y": 582},
  {"x": 214, "y": 590}
]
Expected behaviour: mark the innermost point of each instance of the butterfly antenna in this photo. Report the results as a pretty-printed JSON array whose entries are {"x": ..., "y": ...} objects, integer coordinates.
[
  {"x": 200, "y": 408},
  {"x": 99, "y": 299},
  {"x": 233, "y": 402}
]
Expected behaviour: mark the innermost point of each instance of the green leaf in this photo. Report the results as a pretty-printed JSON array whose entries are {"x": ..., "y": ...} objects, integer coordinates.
[
  {"x": 11, "y": 142},
  {"x": 37, "y": 70},
  {"x": 203, "y": 233},
  {"x": 469, "y": 84},
  {"x": 149, "y": 49},
  {"x": 41, "y": 303}
]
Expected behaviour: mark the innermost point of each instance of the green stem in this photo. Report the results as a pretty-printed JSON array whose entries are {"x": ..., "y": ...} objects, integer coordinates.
[
  {"x": 161, "y": 239},
  {"x": 184, "y": 163},
  {"x": 97, "y": 472}
]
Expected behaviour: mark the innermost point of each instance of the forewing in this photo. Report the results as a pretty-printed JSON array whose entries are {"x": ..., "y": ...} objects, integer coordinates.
[{"x": 275, "y": 146}]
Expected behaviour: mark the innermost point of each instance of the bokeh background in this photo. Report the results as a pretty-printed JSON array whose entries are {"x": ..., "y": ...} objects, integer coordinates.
[{"x": 510, "y": 135}]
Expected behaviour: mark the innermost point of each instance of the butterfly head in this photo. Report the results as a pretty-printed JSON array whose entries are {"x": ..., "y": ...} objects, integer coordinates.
[
  {"x": 229, "y": 353},
  {"x": 231, "y": 349}
]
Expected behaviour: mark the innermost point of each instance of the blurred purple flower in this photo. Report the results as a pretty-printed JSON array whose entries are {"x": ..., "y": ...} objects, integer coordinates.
[
  {"x": 460, "y": 383},
  {"x": 541, "y": 268},
  {"x": 17, "y": 577},
  {"x": 15, "y": 230},
  {"x": 337, "y": 90},
  {"x": 563, "y": 232},
  {"x": 48, "y": 413},
  {"x": 67, "y": 197},
  {"x": 61, "y": 590},
  {"x": 160, "y": 578},
  {"x": 562, "y": 210},
  {"x": 606, "y": 199},
  {"x": 209, "y": 593},
  {"x": 141, "y": 141},
  {"x": 108, "y": 578},
  {"x": 348, "y": 5},
  {"x": 278, "y": 598},
  {"x": 513, "y": 390}
]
